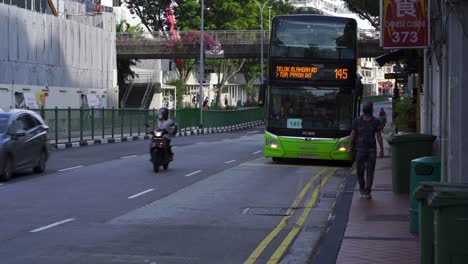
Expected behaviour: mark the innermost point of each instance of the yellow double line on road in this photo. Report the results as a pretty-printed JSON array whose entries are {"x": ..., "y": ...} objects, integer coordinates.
[{"x": 300, "y": 222}]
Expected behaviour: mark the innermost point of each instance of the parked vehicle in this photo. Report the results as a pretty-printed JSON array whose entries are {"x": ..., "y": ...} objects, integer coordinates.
[{"x": 23, "y": 142}]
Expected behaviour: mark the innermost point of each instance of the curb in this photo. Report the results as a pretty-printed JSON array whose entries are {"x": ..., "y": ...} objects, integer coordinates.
[{"x": 192, "y": 131}]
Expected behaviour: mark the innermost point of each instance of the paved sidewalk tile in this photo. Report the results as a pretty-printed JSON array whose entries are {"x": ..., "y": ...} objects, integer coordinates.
[{"x": 378, "y": 229}]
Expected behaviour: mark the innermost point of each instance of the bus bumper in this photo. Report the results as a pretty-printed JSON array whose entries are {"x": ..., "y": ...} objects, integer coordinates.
[{"x": 297, "y": 148}]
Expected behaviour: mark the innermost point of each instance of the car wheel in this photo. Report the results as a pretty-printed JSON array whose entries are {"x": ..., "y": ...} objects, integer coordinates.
[
  {"x": 41, "y": 167},
  {"x": 166, "y": 166},
  {"x": 8, "y": 169},
  {"x": 275, "y": 159}
]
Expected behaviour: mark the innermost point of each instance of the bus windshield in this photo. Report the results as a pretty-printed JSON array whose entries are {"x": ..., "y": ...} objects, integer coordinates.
[
  {"x": 310, "y": 108},
  {"x": 313, "y": 39}
]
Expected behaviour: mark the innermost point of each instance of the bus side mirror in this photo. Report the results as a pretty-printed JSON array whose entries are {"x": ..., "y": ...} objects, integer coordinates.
[{"x": 261, "y": 95}]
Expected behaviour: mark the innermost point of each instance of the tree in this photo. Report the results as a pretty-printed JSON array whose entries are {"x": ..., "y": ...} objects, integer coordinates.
[
  {"x": 226, "y": 69},
  {"x": 124, "y": 66},
  {"x": 365, "y": 9}
]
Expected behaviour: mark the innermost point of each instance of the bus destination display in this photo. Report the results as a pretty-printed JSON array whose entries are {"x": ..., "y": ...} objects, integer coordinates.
[{"x": 319, "y": 72}]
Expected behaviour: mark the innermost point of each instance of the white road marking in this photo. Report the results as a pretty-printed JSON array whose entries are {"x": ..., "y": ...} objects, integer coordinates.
[
  {"x": 245, "y": 210},
  {"x": 1, "y": 184},
  {"x": 231, "y": 161},
  {"x": 128, "y": 157},
  {"x": 72, "y": 168},
  {"x": 52, "y": 225},
  {"x": 251, "y": 132},
  {"x": 193, "y": 173},
  {"x": 140, "y": 194},
  {"x": 256, "y": 152}
]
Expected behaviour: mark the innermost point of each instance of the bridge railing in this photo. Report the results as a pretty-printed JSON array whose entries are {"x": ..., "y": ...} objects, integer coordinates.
[
  {"x": 220, "y": 36},
  {"x": 84, "y": 124}
]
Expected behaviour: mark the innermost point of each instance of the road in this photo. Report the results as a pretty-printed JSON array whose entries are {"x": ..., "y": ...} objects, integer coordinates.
[{"x": 219, "y": 202}]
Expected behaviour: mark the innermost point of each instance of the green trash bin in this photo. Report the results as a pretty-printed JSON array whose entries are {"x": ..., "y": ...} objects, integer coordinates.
[
  {"x": 450, "y": 208},
  {"x": 405, "y": 148},
  {"x": 426, "y": 216},
  {"x": 423, "y": 169}
]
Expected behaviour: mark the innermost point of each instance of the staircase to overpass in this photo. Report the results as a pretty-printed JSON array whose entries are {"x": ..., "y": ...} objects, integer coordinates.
[{"x": 234, "y": 43}]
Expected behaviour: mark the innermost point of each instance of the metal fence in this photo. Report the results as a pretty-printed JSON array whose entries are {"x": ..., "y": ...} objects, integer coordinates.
[{"x": 72, "y": 125}]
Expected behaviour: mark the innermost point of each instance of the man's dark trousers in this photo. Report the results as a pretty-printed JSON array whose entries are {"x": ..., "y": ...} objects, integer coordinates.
[{"x": 365, "y": 163}]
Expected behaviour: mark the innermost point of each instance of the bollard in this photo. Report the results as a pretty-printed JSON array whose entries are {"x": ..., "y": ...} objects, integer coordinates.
[
  {"x": 92, "y": 123},
  {"x": 69, "y": 124},
  {"x": 56, "y": 125},
  {"x": 81, "y": 123},
  {"x": 113, "y": 122}
]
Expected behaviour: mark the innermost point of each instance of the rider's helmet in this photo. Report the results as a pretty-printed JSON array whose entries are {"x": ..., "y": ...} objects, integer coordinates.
[{"x": 163, "y": 113}]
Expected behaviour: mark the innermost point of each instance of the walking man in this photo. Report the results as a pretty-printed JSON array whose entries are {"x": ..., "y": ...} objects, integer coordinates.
[{"x": 362, "y": 144}]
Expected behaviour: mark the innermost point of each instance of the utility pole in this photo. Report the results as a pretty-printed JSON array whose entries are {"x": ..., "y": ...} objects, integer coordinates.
[
  {"x": 200, "y": 99},
  {"x": 261, "y": 37}
]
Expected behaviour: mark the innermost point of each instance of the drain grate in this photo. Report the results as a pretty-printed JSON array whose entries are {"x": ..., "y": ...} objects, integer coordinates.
[
  {"x": 329, "y": 195},
  {"x": 273, "y": 211},
  {"x": 388, "y": 218}
]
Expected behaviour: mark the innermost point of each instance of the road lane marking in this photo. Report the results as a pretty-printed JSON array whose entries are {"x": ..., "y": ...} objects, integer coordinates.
[
  {"x": 256, "y": 152},
  {"x": 52, "y": 225},
  {"x": 231, "y": 161},
  {"x": 245, "y": 210},
  {"x": 140, "y": 194},
  {"x": 251, "y": 132},
  {"x": 193, "y": 173},
  {"x": 278, "y": 165},
  {"x": 72, "y": 168},
  {"x": 276, "y": 257},
  {"x": 129, "y": 157},
  {"x": 266, "y": 241}
]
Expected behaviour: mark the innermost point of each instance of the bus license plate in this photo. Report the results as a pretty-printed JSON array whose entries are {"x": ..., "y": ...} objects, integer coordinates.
[{"x": 308, "y": 156}]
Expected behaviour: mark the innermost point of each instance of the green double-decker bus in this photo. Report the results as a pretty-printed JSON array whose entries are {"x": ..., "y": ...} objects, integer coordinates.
[{"x": 312, "y": 89}]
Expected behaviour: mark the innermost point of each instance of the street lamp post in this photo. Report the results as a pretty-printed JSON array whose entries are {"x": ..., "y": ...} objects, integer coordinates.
[
  {"x": 269, "y": 18},
  {"x": 261, "y": 37},
  {"x": 200, "y": 99}
]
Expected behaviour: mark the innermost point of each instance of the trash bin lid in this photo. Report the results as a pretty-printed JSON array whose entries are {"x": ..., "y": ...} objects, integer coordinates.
[
  {"x": 427, "y": 160},
  {"x": 410, "y": 137},
  {"x": 426, "y": 188},
  {"x": 445, "y": 197}
]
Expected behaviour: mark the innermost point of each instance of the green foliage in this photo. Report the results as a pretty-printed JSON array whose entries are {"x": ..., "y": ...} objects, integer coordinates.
[
  {"x": 124, "y": 70},
  {"x": 151, "y": 13},
  {"x": 365, "y": 9},
  {"x": 180, "y": 91},
  {"x": 405, "y": 111}
]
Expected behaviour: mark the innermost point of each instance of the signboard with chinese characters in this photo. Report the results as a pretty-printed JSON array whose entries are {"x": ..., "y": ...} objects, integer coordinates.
[{"x": 404, "y": 23}]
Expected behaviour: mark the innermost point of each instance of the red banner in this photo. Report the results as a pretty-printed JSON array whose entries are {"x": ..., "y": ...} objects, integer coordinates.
[{"x": 404, "y": 23}]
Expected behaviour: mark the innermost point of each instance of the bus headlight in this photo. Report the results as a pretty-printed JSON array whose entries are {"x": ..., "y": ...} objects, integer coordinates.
[
  {"x": 342, "y": 147},
  {"x": 272, "y": 143}
]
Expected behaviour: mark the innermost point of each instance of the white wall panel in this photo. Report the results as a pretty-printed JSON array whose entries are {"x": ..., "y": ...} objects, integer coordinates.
[
  {"x": 12, "y": 35},
  {"x": 6, "y": 72},
  {"x": 4, "y": 23},
  {"x": 55, "y": 40},
  {"x": 23, "y": 39}
]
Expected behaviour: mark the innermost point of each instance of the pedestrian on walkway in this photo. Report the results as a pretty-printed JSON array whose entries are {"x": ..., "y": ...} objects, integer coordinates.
[
  {"x": 363, "y": 146},
  {"x": 383, "y": 117}
]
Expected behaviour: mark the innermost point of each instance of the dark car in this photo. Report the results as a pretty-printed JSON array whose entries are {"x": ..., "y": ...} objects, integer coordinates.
[{"x": 23, "y": 142}]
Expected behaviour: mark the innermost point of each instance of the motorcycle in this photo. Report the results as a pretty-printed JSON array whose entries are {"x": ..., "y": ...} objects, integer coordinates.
[{"x": 160, "y": 149}]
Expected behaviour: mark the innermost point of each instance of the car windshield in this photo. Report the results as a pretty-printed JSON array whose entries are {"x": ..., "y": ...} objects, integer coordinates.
[
  {"x": 4, "y": 122},
  {"x": 310, "y": 108}
]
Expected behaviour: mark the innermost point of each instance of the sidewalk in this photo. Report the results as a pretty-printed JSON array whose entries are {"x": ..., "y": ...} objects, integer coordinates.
[{"x": 378, "y": 230}]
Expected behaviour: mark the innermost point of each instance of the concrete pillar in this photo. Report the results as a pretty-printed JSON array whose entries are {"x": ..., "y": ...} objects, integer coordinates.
[{"x": 458, "y": 107}]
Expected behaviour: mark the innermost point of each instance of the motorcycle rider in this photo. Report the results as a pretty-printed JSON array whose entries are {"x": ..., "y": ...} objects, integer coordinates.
[{"x": 167, "y": 124}]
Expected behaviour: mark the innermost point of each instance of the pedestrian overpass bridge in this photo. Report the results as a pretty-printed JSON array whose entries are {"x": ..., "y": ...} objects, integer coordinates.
[{"x": 233, "y": 43}]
